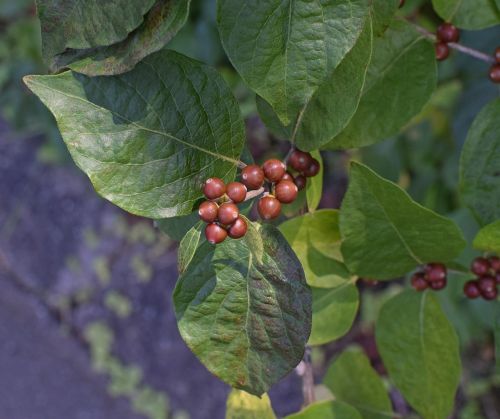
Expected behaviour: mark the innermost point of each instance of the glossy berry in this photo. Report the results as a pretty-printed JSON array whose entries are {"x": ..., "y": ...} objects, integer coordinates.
[
  {"x": 228, "y": 213},
  {"x": 300, "y": 181},
  {"x": 495, "y": 263},
  {"x": 238, "y": 229},
  {"x": 274, "y": 170},
  {"x": 495, "y": 73},
  {"x": 446, "y": 32},
  {"x": 236, "y": 191},
  {"x": 442, "y": 51},
  {"x": 438, "y": 285},
  {"x": 418, "y": 281},
  {"x": 480, "y": 266},
  {"x": 490, "y": 294},
  {"x": 497, "y": 55},
  {"x": 215, "y": 234},
  {"x": 252, "y": 176},
  {"x": 269, "y": 207},
  {"x": 486, "y": 283},
  {"x": 435, "y": 272},
  {"x": 287, "y": 176},
  {"x": 286, "y": 191},
  {"x": 313, "y": 169},
  {"x": 208, "y": 211},
  {"x": 471, "y": 289},
  {"x": 300, "y": 160},
  {"x": 214, "y": 188}
]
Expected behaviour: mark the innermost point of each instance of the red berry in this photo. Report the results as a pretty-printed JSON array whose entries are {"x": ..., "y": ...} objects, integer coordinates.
[
  {"x": 300, "y": 160},
  {"x": 438, "y": 285},
  {"x": 313, "y": 169},
  {"x": 494, "y": 263},
  {"x": 447, "y": 32},
  {"x": 442, "y": 51},
  {"x": 286, "y": 191},
  {"x": 300, "y": 181},
  {"x": 252, "y": 176},
  {"x": 486, "y": 283},
  {"x": 418, "y": 281},
  {"x": 274, "y": 170},
  {"x": 228, "y": 213},
  {"x": 215, "y": 233},
  {"x": 495, "y": 73},
  {"x": 208, "y": 211},
  {"x": 238, "y": 229},
  {"x": 497, "y": 55},
  {"x": 236, "y": 191},
  {"x": 214, "y": 188},
  {"x": 287, "y": 176},
  {"x": 490, "y": 295},
  {"x": 435, "y": 272},
  {"x": 471, "y": 289},
  {"x": 269, "y": 207},
  {"x": 480, "y": 266}
]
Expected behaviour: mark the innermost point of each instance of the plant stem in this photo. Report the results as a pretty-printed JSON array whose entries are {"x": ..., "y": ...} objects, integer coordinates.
[
  {"x": 253, "y": 194},
  {"x": 308, "y": 379}
]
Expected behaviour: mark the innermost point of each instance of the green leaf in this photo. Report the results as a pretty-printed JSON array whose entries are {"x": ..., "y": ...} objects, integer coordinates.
[
  {"x": 480, "y": 165},
  {"x": 468, "y": 14},
  {"x": 497, "y": 338},
  {"x": 160, "y": 25},
  {"x": 420, "y": 350},
  {"x": 400, "y": 80},
  {"x": 87, "y": 23},
  {"x": 284, "y": 50},
  {"x": 177, "y": 227},
  {"x": 271, "y": 120},
  {"x": 386, "y": 234},
  {"x": 188, "y": 246},
  {"x": 382, "y": 13},
  {"x": 315, "y": 238},
  {"x": 314, "y": 186},
  {"x": 334, "y": 311},
  {"x": 149, "y": 138},
  {"x": 327, "y": 410},
  {"x": 352, "y": 379},
  {"x": 241, "y": 405},
  {"x": 488, "y": 238},
  {"x": 244, "y": 308}
]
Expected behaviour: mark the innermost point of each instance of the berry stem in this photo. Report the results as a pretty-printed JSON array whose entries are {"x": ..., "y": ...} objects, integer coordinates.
[{"x": 253, "y": 194}]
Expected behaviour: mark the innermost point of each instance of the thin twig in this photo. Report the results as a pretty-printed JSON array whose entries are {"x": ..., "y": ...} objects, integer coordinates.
[
  {"x": 254, "y": 194},
  {"x": 308, "y": 378}
]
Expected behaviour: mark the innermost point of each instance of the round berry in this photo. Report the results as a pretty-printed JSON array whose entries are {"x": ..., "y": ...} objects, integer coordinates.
[
  {"x": 435, "y": 272},
  {"x": 313, "y": 169},
  {"x": 287, "y": 176},
  {"x": 480, "y": 266},
  {"x": 208, "y": 211},
  {"x": 269, "y": 207},
  {"x": 490, "y": 295},
  {"x": 442, "y": 51},
  {"x": 486, "y": 283},
  {"x": 236, "y": 191},
  {"x": 214, "y": 188},
  {"x": 252, "y": 176},
  {"x": 471, "y": 289},
  {"x": 238, "y": 229},
  {"x": 447, "y": 32},
  {"x": 215, "y": 234},
  {"x": 300, "y": 160},
  {"x": 418, "y": 281},
  {"x": 495, "y": 73},
  {"x": 286, "y": 191},
  {"x": 274, "y": 170},
  {"x": 228, "y": 213},
  {"x": 494, "y": 263},
  {"x": 300, "y": 181},
  {"x": 438, "y": 285}
]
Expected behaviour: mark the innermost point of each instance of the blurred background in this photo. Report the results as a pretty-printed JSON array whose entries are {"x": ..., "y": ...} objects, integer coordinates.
[{"x": 87, "y": 328}]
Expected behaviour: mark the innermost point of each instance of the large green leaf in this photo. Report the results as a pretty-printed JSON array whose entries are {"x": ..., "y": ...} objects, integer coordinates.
[
  {"x": 480, "y": 165},
  {"x": 400, "y": 80},
  {"x": 244, "y": 308},
  {"x": 420, "y": 350},
  {"x": 488, "y": 238},
  {"x": 386, "y": 234},
  {"x": 314, "y": 186},
  {"x": 315, "y": 238},
  {"x": 87, "y": 23},
  {"x": 285, "y": 49},
  {"x": 149, "y": 138},
  {"x": 352, "y": 379},
  {"x": 241, "y": 405},
  {"x": 382, "y": 13},
  {"x": 327, "y": 410},
  {"x": 468, "y": 14},
  {"x": 160, "y": 25}
]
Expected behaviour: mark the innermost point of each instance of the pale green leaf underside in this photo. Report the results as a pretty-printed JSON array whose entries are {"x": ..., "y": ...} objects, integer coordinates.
[
  {"x": 241, "y": 405},
  {"x": 327, "y": 410},
  {"x": 148, "y": 139},
  {"x": 469, "y": 14},
  {"x": 488, "y": 238}
]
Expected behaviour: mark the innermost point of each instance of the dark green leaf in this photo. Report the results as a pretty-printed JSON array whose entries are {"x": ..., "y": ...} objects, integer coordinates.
[
  {"x": 244, "y": 309},
  {"x": 420, "y": 350},
  {"x": 272, "y": 121},
  {"x": 382, "y": 13},
  {"x": 241, "y": 405},
  {"x": 177, "y": 227},
  {"x": 468, "y": 14},
  {"x": 327, "y": 410},
  {"x": 497, "y": 338},
  {"x": 148, "y": 139},
  {"x": 314, "y": 186},
  {"x": 386, "y": 234},
  {"x": 488, "y": 238}
]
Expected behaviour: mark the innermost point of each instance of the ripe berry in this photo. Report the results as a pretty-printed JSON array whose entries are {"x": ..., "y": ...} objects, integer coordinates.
[
  {"x": 228, "y": 213},
  {"x": 490, "y": 295},
  {"x": 236, "y": 191},
  {"x": 435, "y": 272},
  {"x": 447, "y": 32},
  {"x": 274, "y": 170},
  {"x": 300, "y": 181},
  {"x": 486, "y": 283},
  {"x": 215, "y": 233},
  {"x": 208, "y": 211},
  {"x": 442, "y": 51},
  {"x": 497, "y": 55},
  {"x": 252, "y": 176},
  {"x": 287, "y": 176},
  {"x": 495, "y": 73},
  {"x": 238, "y": 229},
  {"x": 438, "y": 285},
  {"x": 418, "y": 281},
  {"x": 313, "y": 168},
  {"x": 286, "y": 191},
  {"x": 471, "y": 289},
  {"x": 480, "y": 266},
  {"x": 495, "y": 263},
  {"x": 300, "y": 160},
  {"x": 214, "y": 188},
  {"x": 269, "y": 207}
]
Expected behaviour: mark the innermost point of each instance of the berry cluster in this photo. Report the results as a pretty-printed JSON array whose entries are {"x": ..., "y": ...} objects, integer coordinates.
[
  {"x": 487, "y": 281},
  {"x": 495, "y": 68},
  {"x": 433, "y": 275},
  {"x": 446, "y": 33}
]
